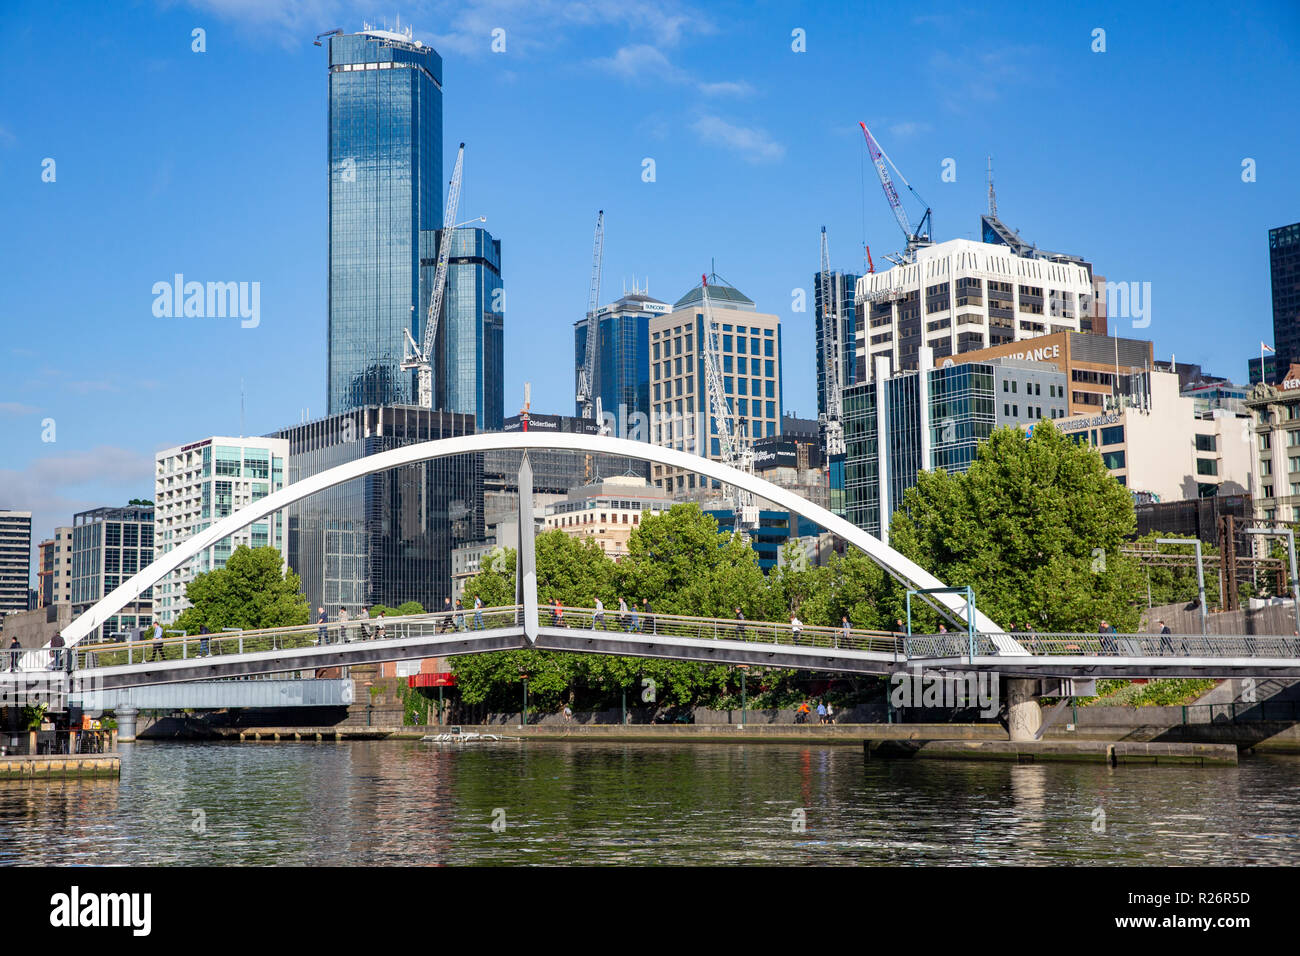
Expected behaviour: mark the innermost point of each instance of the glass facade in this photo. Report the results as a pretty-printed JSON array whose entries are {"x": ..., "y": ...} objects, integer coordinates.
[
  {"x": 862, "y": 458},
  {"x": 961, "y": 414},
  {"x": 842, "y": 286},
  {"x": 1284, "y": 271},
  {"x": 109, "y": 545},
  {"x": 622, "y": 356},
  {"x": 470, "y": 376},
  {"x": 385, "y": 538},
  {"x": 385, "y": 189}
]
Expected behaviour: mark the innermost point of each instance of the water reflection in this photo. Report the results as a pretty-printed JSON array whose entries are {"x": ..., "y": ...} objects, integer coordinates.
[{"x": 408, "y": 803}]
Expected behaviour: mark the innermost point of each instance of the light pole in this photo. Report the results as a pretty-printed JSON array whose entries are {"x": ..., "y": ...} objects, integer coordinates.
[
  {"x": 1200, "y": 576},
  {"x": 1287, "y": 533},
  {"x": 523, "y": 717},
  {"x": 744, "y": 700}
]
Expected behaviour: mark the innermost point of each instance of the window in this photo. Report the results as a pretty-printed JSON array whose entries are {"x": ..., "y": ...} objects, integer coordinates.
[
  {"x": 1206, "y": 443},
  {"x": 1265, "y": 441},
  {"x": 770, "y": 371},
  {"x": 1293, "y": 461},
  {"x": 1208, "y": 466},
  {"x": 1266, "y": 466},
  {"x": 1113, "y": 435},
  {"x": 1113, "y": 459}
]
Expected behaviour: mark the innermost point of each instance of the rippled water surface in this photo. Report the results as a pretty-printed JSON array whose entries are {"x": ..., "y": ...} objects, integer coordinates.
[{"x": 409, "y": 803}]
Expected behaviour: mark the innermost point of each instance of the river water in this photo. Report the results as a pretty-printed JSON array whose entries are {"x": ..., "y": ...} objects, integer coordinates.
[{"x": 411, "y": 803}]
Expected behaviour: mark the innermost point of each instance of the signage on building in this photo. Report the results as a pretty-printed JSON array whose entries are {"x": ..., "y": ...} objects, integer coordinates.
[
  {"x": 1037, "y": 355},
  {"x": 197, "y": 444},
  {"x": 784, "y": 455},
  {"x": 1074, "y": 425},
  {"x": 1290, "y": 383}
]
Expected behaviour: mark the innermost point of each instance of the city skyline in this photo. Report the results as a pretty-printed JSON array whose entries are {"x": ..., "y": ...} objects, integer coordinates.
[{"x": 233, "y": 190}]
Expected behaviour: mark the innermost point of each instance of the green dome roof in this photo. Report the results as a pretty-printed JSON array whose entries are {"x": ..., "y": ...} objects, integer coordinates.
[{"x": 719, "y": 292}]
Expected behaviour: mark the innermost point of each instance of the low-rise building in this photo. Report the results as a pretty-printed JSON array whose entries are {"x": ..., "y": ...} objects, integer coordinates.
[
  {"x": 1275, "y": 446},
  {"x": 54, "y": 569},
  {"x": 607, "y": 511}
]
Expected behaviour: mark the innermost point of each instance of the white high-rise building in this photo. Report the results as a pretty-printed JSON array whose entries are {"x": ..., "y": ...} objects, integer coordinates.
[
  {"x": 963, "y": 295},
  {"x": 203, "y": 482}
]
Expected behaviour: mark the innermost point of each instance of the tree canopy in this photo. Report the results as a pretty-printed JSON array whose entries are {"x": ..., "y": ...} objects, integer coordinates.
[{"x": 251, "y": 591}]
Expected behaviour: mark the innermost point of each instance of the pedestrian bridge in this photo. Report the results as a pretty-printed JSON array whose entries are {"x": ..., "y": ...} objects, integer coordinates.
[{"x": 311, "y": 651}]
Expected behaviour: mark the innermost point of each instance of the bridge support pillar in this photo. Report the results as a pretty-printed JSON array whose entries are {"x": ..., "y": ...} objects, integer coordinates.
[
  {"x": 126, "y": 722},
  {"x": 1024, "y": 714}
]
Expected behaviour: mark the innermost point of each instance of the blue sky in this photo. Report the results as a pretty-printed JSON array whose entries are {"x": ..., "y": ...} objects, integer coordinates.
[{"x": 213, "y": 165}]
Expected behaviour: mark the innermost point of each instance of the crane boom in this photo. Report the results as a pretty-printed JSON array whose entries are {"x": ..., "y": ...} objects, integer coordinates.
[
  {"x": 587, "y": 374},
  {"x": 733, "y": 452},
  {"x": 913, "y": 237},
  {"x": 421, "y": 356}
]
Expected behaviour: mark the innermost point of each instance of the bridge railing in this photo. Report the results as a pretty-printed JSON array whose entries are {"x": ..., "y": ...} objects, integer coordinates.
[
  {"x": 231, "y": 642},
  {"x": 653, "y": 624},
  {"x": 1153, "y": 645}
]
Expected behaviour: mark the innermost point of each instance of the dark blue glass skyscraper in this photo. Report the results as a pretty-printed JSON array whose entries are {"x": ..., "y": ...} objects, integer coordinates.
[
  {"x": 622, "y": 379},
  {"x": 470, "y": 364},
  {"x": 385, "y": 192}
]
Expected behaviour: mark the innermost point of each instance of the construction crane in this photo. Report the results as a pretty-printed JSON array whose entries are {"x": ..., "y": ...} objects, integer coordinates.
[
  {"x": 736, "y": 452},
  {"x": 587, "y": 373},
  {"x": 421, "y": 357},
  {"x": 871, "y": 266},
  {"x": 915, "y": 237},
  {"x": 331, "y": 33},
  {"x": 830, "y": 419},
  {"x": 528, "y": 403}
]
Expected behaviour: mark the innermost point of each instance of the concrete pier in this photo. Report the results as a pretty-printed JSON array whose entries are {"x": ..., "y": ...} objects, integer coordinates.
[{"x": 51, "y": 766}]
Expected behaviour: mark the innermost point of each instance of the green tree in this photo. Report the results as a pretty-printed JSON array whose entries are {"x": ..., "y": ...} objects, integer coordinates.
[
  {"x": 1035, "y": 526},
  {"x": 251, "y": 591}
]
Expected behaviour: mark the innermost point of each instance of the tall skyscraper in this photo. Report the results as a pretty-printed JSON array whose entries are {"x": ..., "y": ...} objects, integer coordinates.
[
  {"x": 1284, "y": 269},
  {"x": 470, "y": 355},
  {"x": 15, "y": 560},
  {"x": 749, "y": 342},
  {"x": 843, "y": 286},
  {"x": 385, "y": 192},
  {"x": 622, "y": 379}
]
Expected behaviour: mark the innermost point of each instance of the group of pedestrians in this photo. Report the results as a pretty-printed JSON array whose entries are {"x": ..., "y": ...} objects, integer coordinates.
[
  {"x": 631, "y": 618},
  {"x": 825, "y": 712}
]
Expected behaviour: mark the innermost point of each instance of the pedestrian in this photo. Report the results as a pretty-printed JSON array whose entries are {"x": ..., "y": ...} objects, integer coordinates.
[
  {"x": 379, "y": 625},
  {"x": 1165, "y": 639},
  {"x": 943, "y": 629},
  {"x": 740, "y": 624},
  {"x": 204, "y": 640},
  {"x": 830, "y": 714},
  {"x": 478, "y": 613},
  {"x": 557, "y": 613},
  {"x": 801, "y": 714},
  {"x": 821, "y": 712},
  {"x": 345, "y": 632},
  {"x": 1108, "y": 645},
  {"x": 622, "y": 614},
  {"x": 635, "y": 624},
  {"x": 846, "y": 628},
  {"x": 15, "y": 652},
  {"x": 460, "y": 615},
  {"x": 157, "y": 652},
  {"x": 56, "y": 651},
  {"x": 568, "y": 712},
  {"x": 598, "y": 618},
  {"x": 796, "y": 627},
  {"x": 649, "y": 618},
  {"x": 322, "y": 631},
  {"x": 446, "y": 612}
]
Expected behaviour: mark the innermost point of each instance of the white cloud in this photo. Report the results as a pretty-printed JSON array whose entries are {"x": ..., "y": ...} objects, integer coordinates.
[
  {"x": 639, "y": 62},
  {"x": 726, "y": 88},
  {"x": 56, "y": 486},
  {"x": 908, "y": 129},
  {"x": 17, "y": 408},
  {"x": 754, "y": 145}
]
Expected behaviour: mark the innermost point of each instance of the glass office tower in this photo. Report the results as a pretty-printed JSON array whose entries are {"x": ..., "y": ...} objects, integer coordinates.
[
  {"x": 385, "y": 192},
  {"x": 470, "y": 346},
  {"x": 622, "y": 355}
]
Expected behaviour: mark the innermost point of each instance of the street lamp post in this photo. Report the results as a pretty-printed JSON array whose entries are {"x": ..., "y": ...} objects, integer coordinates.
[
  {"x": 744, "y": 700},
  {"x": 1200, "y": 577},
  {"x": 1287, "y": 533},
  {"x": 523, "y": 717}
]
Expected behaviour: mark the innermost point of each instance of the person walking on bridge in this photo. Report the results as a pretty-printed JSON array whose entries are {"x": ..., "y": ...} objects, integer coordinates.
[
  {"x": 460, "y": 615},
  {"x": 204, "y": 640},
  {"x": 345, "y": 632},
  {"x": 322, "y": 632},
  {"x": 478, "y": 613},
  {"x": 1165, "y": 640},
  {"x": 157, "y": 652},
  {"x": 846, "y": 628},
  {"x": 15, "y": 653},
  {"x": 56, "y": 651},
  {"x": 647, "y": 616},
  {"x": 796, "y": 627},
  {"x": 598, "y": 618},
  {"x": 740, "y": 624},
  {"x": 1108, "y": 645},
  {"x": 622, "y": 614}
]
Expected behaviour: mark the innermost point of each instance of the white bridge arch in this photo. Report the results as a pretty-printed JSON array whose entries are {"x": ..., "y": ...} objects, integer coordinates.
[{"x": 908, "y": 572}]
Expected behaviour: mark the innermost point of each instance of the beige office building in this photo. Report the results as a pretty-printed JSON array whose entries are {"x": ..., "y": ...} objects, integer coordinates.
[
  {"x": 1275, "y": 444},
  {"x": 749, "y": 344},
  {"x": 1155, "y": 443},
  {"x": 607, "y": 511}
]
